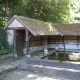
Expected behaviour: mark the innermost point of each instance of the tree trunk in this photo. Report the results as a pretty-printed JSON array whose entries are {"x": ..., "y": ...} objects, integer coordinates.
[{"x": 6, "y": 2}]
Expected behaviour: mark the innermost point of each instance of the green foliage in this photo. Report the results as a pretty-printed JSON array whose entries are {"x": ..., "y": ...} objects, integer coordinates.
[
  {"x": 75, "y": 10},
  {"x": 3, "y": 39},
  {"x": 56, "y": 11},
  {"x": 3, "y": 51},
  {"x": 4, "y": 46}
]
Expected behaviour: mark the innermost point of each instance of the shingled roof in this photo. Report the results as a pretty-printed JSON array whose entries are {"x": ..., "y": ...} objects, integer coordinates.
[
  {"x": 69, "y": 29},
  {"x": 37, "y": 27}
]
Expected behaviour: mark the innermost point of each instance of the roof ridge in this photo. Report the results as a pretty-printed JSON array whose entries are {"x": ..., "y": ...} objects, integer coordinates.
[
  {"x": 30, "y": 18},
  {"x": 67, "y": 24},
  {"x": 58, "y": 30}
]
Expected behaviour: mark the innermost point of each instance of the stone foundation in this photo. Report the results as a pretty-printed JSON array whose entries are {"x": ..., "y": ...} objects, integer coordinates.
[
  {"x": 5, "y": 56},
  {"x": 32, "y": 49},
  {"x": 55, "y": 68}
]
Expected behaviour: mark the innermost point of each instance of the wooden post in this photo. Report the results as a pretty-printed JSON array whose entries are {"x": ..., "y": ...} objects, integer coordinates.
[
  {"x": 64, "y": 51},
  {"x": 77, "y": 40},
  {"x": 57, "y": 42},
  {"x": 14, "y": 43},
  {"x": 45, "y": 49},
  {"x": 27, "y": 52},
  {"x": 64, "y": 47},
  {"x": 27, "y": 43},
  {"x": 63, "y": 40},
  {"x": 46, "y": 42}
]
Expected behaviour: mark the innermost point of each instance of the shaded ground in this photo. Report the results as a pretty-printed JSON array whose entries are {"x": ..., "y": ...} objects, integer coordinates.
[
  {"x": 27, "y": 75},
  {"x": 9, "y": 60}
]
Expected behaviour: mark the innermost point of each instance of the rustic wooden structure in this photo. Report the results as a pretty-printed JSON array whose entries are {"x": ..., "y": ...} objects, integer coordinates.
[
  {"x": 26, "y": 30},
  {"x": 30, "y": 33}
]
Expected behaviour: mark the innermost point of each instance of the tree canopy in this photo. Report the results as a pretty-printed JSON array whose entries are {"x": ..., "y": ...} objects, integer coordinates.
[
  {"x": 55, "y": 11},
  {"x": 75, "y": 10}
]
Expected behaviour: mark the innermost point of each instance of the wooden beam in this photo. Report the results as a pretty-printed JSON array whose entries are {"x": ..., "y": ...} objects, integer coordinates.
[
  {"x": 46, "y": 42},
  {"x": 14, "y": 43},
  {"x": 63, "y": 40},
  {"x": 27, "y": 34},
  {"x": 18, "y": 28},
  {"x": 27, "y": 41},
  {"x": 64, "y": 47},
  {"x": 29, "y": 37},
  {"x": 77, "y": 40},
  {"x": 56, "y": 40},
  {"x": 45, "y": 46}
]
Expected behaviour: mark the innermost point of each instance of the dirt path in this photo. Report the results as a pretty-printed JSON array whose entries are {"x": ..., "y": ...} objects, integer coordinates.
[{"x": 26, "y": 75}]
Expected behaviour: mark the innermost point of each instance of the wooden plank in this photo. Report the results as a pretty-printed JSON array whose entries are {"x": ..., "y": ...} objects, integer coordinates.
[{"x": 12, "y": 28}]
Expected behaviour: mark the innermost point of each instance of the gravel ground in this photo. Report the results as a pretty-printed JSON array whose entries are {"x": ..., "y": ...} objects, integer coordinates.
[{"x": 27, "y": 75}]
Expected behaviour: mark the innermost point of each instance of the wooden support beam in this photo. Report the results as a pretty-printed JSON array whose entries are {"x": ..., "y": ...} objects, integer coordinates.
[
  {"x": 45, "y": 49},
  {"x": 46, "y": 42},
  {"x": 27, "y": 46},
  {"x": 64, "y": 47},
  {"x": 29, "y": 37},
  {"x": 63, "y": 40},
  {"x": 56, "y": 40},
  {"x": 27, "y": 41},
  {"x": 77, "y": 40},
  {"x": 14, "y": 43}
]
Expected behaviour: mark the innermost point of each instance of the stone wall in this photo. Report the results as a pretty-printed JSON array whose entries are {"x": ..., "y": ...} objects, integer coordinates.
[
  {"x": 32, "y": 49},
  {"x": 5, "y": 56}
]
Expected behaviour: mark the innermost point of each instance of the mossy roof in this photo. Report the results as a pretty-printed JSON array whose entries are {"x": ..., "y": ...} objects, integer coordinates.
[
  {"x": 37, "y": 27},
  {"x": 69, "y": 29}
]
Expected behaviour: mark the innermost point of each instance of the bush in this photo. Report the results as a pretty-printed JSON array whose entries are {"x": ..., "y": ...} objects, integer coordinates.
[
  {"x": 4, "y": 46},
  {"x": 3, "y": 51}
]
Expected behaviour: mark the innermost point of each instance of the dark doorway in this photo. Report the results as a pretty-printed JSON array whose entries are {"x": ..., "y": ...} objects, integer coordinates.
[{"x": 20, "y": 41}]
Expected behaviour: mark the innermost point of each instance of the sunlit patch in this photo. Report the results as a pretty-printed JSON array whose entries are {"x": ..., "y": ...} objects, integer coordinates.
[
  {"x": 30, "y": 75},
  {"x": 41, "y": 32}
]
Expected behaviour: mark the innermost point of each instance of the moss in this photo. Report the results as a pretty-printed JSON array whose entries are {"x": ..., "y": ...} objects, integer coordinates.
[{"x": 39, "y": 27}]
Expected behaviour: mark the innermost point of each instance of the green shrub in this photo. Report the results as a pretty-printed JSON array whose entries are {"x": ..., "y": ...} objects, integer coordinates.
[
  {"x": 3, "y": 51},
  {"x": 4, "y": 45}
]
